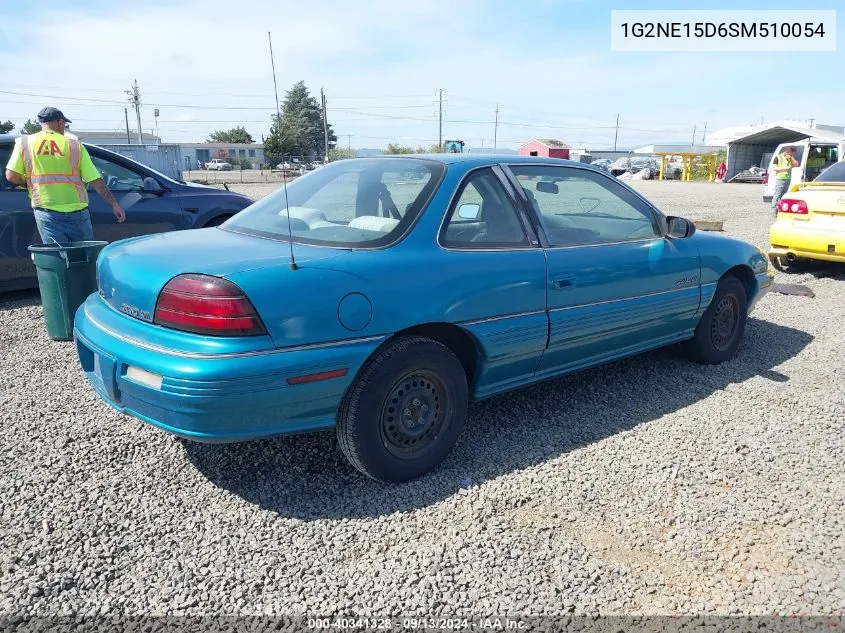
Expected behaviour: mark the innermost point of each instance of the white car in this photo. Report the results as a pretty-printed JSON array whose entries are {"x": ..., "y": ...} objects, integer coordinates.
[
  {"x": 813, "y": 158},
  {"x": 218, "y": 164}
]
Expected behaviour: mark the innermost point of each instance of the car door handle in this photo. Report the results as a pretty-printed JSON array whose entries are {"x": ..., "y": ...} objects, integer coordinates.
[{"x": 563, "y": 282}]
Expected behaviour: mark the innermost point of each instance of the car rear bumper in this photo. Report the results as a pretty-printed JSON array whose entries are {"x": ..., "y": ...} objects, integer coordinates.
[
  {"x": 790, "y": 241},
  {"x": 797, "y": 253},
  {"x": 214, "y": 397}
]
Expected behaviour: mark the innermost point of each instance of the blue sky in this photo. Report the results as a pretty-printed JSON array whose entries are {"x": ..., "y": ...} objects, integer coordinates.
[{"x": 547, "y": 64}]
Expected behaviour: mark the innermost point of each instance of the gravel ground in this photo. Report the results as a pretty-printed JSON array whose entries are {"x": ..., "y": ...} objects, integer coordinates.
[{"x": 651, "y": 486}]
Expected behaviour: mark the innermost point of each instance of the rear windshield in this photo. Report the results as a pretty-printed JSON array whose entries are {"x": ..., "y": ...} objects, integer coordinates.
[
  {"x": 834, "y": 173},
  {"x": 365, "y": 202}
]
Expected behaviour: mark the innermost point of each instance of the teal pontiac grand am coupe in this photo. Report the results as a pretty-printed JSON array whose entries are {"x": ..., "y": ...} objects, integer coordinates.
[{"x": 381, "y": 295}]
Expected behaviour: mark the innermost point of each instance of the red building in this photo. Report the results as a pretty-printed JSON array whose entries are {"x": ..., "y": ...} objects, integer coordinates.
[{"x": 546, "y": 147}]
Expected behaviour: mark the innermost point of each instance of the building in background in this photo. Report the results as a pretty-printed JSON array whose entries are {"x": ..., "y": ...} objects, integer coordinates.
[
  {"x": 109, "y": 137},
  {"x": 757, "y": 148},
  {"x": 196, "y": 153},
  {"x": 546, "y": 147}
]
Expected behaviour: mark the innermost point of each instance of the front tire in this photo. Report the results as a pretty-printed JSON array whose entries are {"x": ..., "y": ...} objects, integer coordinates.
[
  {"x": 405, "y": 411},
  {"x": 720, "y": 330}
]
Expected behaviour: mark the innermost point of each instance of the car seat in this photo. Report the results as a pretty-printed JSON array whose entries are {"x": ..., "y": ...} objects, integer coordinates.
[{"x": 500, "y": 225}]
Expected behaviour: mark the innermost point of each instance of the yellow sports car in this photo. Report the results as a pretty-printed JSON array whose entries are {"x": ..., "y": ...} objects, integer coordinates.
[{"x": 810, "y": 222}]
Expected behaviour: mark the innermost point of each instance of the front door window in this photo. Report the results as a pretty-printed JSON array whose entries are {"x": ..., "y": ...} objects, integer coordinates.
[
  {"x": 118, "y": 177},
  {"x": 581, "y": 207}
]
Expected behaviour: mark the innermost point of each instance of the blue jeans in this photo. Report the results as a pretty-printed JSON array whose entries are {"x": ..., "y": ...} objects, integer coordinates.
[
  {"x": 54, "y": 226},
  {"x": 781, "y": 186}
]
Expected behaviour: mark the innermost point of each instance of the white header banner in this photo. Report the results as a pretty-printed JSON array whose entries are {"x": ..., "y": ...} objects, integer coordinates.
[{"x": 723, "y": 30}]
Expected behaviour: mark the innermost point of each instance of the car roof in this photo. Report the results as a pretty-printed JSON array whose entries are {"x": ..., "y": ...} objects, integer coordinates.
[{"x": 480, "y": 159}]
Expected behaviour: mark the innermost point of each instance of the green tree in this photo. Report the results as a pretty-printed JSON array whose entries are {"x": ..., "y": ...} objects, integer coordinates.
[
  {"x": 339, "y": 153},
  {"x": 277, "y": 145},
  {"x": 235, "y": 135},
  {"x": 300, "y": 131},
  {"x": 6, "y": 127},
  {"x": 30, "y": 127},
  {"x": 395, "y": 148}
]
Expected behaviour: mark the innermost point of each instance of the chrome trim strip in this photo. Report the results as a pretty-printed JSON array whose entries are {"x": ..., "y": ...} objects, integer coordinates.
[
  {"x": 502, "y": 318},
  {"x": 599, "y": 244},
  {"x": 651, "y": 294},
  {"x": 213, "y": 356}
]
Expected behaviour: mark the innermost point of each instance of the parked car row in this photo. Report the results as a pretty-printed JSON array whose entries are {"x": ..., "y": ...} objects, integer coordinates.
[
  {"x": 153, "y": 202},
  {"x": 299, "y": 166}
]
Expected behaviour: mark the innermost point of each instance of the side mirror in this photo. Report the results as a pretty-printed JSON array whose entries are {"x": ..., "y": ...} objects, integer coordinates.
[
  {"x": 469, "y": 211},
  {"x": 680, "y": 228},
  {"x": 151, "y": 185},
  {"x": 547, "y": 186}
]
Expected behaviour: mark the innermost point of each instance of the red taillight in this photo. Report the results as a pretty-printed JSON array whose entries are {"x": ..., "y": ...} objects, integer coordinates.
[
  {"x": 787, "y": 205},
  {"x": 207, "y": 305}
]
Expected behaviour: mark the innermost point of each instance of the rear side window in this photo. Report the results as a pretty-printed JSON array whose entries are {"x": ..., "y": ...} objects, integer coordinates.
[
  {"x": 834, "y": 173},
  {"x": 483, "y": 215}
]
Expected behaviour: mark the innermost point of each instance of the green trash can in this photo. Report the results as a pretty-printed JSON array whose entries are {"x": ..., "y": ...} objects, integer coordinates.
[{"x": 67, "y": 274}]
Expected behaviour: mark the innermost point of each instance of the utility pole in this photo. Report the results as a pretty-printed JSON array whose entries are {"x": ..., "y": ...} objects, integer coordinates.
[
  {"x": 616, "y": 135},
  {"x": 126, "y": 116},
  {"x": 135, "y": 99},
  {"x": 155, "y": 114},
  {"x": 704, "y": 134},
  {"x": 440, "y": 127},
  {"x": 496, "y": 131},
  {"x": 325, "y": 123},
  {"x": 693, "y": 134},
  {"x": 349, "y": 142}
]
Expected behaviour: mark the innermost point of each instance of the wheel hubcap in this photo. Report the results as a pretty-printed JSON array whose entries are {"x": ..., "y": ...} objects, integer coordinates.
[
  {"x": 724, "y": 323},
  {"x": 413, "y": 414}
]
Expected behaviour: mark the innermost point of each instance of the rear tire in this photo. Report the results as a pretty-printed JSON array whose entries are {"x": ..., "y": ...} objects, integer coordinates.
[
  {"x": 720, "y": 330},
  {"x": 405, "y": 411}
]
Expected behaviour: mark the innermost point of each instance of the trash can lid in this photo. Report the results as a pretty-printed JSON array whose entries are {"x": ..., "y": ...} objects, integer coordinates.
[{"x": 64, "y": 246}]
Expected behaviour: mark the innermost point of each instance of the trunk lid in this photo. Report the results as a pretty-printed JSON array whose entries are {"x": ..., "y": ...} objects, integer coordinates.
[
  {"x": 826, "y": 205},
  {"x": 131, "y": 273}
]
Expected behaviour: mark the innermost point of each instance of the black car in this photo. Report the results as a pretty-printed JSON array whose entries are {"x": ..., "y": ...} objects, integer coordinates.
[{"x": 154, "y": 203}]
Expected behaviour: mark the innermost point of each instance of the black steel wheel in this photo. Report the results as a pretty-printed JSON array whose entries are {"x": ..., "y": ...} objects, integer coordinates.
[
  {"x": 724, "y": 322},
  {"x": 414, "y": 414},
  {"x": 720, "y": 330},
  {"x": 405, "y": 410}
]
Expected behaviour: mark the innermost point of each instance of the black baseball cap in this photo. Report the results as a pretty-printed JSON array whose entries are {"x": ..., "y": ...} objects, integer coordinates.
[{"x": 51, "y": 114}]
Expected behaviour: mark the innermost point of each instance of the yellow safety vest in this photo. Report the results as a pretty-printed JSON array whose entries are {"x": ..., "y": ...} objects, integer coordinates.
[
  {"x": 53, "y": 172},
  {"x": 783, "y": 161}
]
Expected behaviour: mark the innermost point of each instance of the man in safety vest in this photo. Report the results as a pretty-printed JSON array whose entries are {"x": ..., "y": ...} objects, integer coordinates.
[
  {"x": 784, "y": 162},
  {"x": 55, "y": 169}
]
